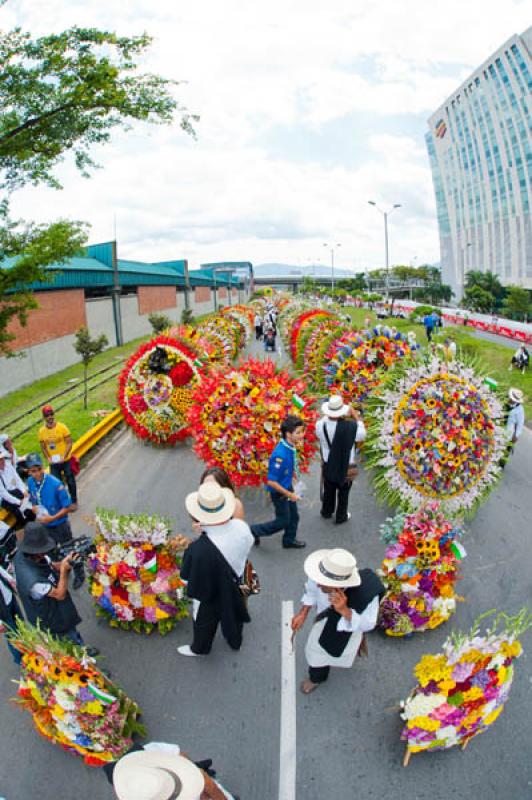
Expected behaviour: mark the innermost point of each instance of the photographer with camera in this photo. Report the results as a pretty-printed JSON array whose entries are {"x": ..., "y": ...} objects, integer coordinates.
[
  {"x": 50, "y": 498},
  {"x": 43, "y": 585}
]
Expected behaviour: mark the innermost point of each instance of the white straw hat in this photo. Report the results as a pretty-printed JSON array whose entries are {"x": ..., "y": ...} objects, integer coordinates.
[
  {"x": 516, "y": 395},
  {"x": 157, "y": 775},
  {"x": 335, "y": 406},
  {"x": 211, "y": 504},
  {"x": 335, "y": 567}
]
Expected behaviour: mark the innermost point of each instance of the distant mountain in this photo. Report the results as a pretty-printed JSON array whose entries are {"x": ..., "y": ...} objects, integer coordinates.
[{"x": 312, "y": 270}]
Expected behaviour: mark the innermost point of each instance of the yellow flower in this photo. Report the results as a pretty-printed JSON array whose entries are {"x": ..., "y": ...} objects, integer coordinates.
[
  {"x": 97, "y": 589},
  {"x": 94, "y": 707},
  {"x": 493, "y": 716},
  {"x": 426, "y": 723},
  {"x": 502, "y": 675},
  {"x": 472, "y": 656},
  {"x": 446, "y": 686},
  {"x": 475, "y": 693},
  {"x": 511, "y": 650},
  {"x": 160, "y": 614},
  {"x": 432, "y": 668}
]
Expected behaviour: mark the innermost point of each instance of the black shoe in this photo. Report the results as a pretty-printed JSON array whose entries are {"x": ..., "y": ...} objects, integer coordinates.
[
  {"x": 341, "y": 521},
  {"x": 297, "y": 544},
  {"x": 257, "y": 540},
  {"x": 92, "y": 651},
  {"x": 325, "y": 516}
]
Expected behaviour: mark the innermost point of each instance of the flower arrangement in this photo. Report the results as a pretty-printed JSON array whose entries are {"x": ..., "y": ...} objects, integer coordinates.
[
  {"x": 155, "y": 386},
  {"x": 244, "y": 315},
  {"x": 462, "y": 690},
  {"x": 356, "y": 361},
  {"x": 73, "y": 704},
  {"x": 311, "y": 356},
  {"x": 299, "y": 325},
  {"x": 225, "y": 333},
  {"x": 236, "y": 417},
  {"x": 419, "y": 571},
  {"x": 434, "y": 432},
  {"x": 134, "y": 574}
]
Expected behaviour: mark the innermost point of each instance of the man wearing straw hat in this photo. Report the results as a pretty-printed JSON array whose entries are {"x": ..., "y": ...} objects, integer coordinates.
[
  {"x": 347, "y": 605},
  {"x": 212, "y": 567},
  {"x": 515, "y": 421},
  {"x": 159, "y": 771},
  {"x": 337, "y": 436}
]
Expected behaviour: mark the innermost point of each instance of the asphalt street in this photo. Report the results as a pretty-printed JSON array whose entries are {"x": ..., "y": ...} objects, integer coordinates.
[{"x": 228, "y": 706}]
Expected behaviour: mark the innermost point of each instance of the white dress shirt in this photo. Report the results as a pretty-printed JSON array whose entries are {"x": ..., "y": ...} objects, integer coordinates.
[
  {"x": 10, "y": 479},
  {"x": 331, "y": 430},
  {"x": 234, "y": 541}
]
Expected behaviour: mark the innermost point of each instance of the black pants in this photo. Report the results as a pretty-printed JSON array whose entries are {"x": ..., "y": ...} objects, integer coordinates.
[
  {"x": 335, "y": 497},
  {"x": 318, "y": 674},
  {"x": 20, "y": 517},
  {"x": 258, "y": 332},
  {"x": 205, "y": 627},
  {"x": 64, "y": 469},
  {"x": 61, "y": 533}
]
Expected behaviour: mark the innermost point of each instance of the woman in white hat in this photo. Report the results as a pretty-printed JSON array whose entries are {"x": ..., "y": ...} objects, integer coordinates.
[
  {"x": 347, "y": 604},
  {"x": 338, "y": 435},
  {"x": 159, "y": 771},
  {"x": 515, "y": 421},
  {"x": 213, "y": 566}
]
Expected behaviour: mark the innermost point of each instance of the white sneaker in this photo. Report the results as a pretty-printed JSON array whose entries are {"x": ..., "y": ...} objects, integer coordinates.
[{"x": 185, "y": 650}]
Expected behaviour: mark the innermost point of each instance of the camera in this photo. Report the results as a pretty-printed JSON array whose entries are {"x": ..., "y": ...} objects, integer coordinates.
[{"x": 81, "y": 548}]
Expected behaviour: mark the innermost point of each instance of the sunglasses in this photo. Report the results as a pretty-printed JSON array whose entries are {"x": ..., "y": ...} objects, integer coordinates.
[{"x": 49, "y": 414}]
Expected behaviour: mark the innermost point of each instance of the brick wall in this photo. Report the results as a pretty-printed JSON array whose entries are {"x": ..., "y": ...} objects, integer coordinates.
[
  {"x": 202, "y": 294},
  {"x": 155, "y": 298},
  {"x": 222, "y": 293},
  {"x": 60, "y": 313}
]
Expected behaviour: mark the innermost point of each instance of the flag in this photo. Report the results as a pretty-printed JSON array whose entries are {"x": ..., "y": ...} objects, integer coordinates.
[
  {"x": 198, "y": 363},
  {"x": 458, "y": 550},
  {"x": 297, "y": 401},
  {"x": 491, "y": 382},
  {"x": 100, "y": 695},
  {"x": 151, "y": 565}
]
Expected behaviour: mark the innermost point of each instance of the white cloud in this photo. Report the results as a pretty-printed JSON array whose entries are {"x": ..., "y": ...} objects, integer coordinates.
[{"x": 256, "y": 69}]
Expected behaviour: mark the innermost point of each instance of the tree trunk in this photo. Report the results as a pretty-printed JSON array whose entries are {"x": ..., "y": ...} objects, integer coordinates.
[{"x": 85, "y": 386}]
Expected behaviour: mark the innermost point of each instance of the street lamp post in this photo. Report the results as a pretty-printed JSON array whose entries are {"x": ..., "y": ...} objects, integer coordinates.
[
  {"x": 332, "y": 246},
  {"x": 386, "y": 214}
]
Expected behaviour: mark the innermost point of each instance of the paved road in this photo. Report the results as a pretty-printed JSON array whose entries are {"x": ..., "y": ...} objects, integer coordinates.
[{"x": 227, "y": 706}]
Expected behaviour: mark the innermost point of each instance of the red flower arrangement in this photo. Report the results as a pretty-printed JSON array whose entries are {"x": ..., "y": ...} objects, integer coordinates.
[
  {"x": 299, "y": 325},
  {"x": 236, "y": 416},
  {"x": 155, "y": 388}
]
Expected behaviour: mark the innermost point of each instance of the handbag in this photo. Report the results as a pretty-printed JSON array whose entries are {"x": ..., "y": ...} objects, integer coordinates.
[
  {"x": 249, "y": 582},
  {"x": 74, "y": 465}
]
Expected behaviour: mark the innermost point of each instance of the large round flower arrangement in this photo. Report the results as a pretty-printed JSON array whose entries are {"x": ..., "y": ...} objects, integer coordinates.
[
  {"x": 225, "y": 333},
  {"x": 134, "y": 574},
  {"x": 155, "y": 386},
  {"x": 236, "y": 418},
  {"x": 299, "y": 325},
  {"x": 311, "y": 358},
  {"x": 419, "y": 571},
  {"x": 462, "y": 690},
  {"x": 243, "y": 315},
  {"x": 355, "y": 363},
  {"x": 435, "y": 432},
  {"x": 73, "y": 704}
]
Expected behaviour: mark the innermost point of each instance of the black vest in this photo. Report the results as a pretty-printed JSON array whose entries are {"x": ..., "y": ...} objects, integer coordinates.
[
  {"x": 333, "y": 641},
  {"x": 335, "y": 468},
  {"x": 55, "y": 616}
]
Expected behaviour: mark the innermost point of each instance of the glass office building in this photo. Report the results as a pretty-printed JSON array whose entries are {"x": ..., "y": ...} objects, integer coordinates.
[{"x": 479, "y": 145}]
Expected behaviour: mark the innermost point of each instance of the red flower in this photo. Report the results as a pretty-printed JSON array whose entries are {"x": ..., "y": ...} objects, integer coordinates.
[
  {"x": 181, "y": 374},
  {"x": 137, "y": 403}
]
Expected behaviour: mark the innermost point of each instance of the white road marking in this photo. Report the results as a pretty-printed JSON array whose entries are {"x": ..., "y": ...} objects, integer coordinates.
[{"x": 287, "y": 763}]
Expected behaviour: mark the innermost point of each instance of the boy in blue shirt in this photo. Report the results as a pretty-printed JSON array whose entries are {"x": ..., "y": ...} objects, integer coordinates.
[
  {"x": 282, "y": 470},
  {"x": 50, "y": 498}
]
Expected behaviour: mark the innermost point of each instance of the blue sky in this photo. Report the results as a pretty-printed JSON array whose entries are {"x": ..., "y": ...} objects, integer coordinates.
[{"x": 308, "y": 110}]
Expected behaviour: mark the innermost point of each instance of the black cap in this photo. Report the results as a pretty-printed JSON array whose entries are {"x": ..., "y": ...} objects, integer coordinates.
[
  {"x": 37, "y": 540},
  {"x": 33, "y": 460}
]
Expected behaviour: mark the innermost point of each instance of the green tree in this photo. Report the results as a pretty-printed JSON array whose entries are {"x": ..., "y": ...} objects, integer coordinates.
[
  {"x": 308, "y": 285},
  {"x": 60, "y": 95},
  {"x": 478, "y": 299},
  {"x": 517, "y": 302},
  {"x": 159, "y": 322},
  {"x": 88, "y": 348},
  {"x": 487, "y": 281}
]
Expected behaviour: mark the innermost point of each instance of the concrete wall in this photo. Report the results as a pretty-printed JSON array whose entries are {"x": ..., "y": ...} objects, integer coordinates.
[
  {"x": 99, "y": 313},
  {"x": 36, "y": 362}
]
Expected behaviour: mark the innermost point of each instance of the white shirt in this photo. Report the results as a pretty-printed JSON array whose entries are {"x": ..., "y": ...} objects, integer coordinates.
[
  {"x": 358, "y": 624},
  {"x": 234, "y": 541},
  {"x": 7, "y": 594},
  {"x": 9, "y": 479},
  {"x": 331, "y": 430},
  {"x": 516, "y": 421},
  {"x": 175, "y": 750}
]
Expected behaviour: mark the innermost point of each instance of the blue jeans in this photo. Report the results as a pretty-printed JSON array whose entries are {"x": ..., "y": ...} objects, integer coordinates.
[
  {"x": 74, "y": 636},
  {"x": 10, "y": 620},
  {"x": 286, "y": 518}
]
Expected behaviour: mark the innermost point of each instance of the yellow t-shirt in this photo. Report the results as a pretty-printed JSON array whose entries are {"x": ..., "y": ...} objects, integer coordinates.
[{"x": 54, "y": 439}]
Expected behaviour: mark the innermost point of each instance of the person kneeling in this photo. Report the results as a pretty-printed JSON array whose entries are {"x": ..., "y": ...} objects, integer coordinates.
[{"x": 347, "y": 605}]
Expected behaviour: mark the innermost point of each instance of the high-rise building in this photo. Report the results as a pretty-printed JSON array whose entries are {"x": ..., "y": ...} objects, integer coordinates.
[{"x": 479, "y": 146}]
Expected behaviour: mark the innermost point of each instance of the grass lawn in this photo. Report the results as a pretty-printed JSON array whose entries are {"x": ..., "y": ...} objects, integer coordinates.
[
  {"x": 73, "y": 415},
  {"x": 495, "y": 357}
]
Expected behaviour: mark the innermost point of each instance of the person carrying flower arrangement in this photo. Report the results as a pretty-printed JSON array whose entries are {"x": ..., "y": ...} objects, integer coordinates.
[
  {"x": 213, "y": 567},
  {"x": 347, "y": 606}
]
